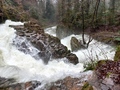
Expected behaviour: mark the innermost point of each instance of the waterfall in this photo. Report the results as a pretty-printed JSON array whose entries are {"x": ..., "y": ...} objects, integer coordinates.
[
  {"x": 22, "y": 66},
  {"x": 95, "y": 51},
  {"x": 18, "y": 58}
]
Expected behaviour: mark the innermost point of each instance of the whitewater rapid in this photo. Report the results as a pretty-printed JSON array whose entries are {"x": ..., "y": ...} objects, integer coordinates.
[
  {"x": 95, "y": 51},
  {"x": 23, "y": 67}
]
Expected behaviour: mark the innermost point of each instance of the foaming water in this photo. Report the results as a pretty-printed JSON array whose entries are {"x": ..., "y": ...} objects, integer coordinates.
[
  {"x": 23, "y": 67},
  {"x": 95, "y": 51},
  {"x": 51, "y": 31}
]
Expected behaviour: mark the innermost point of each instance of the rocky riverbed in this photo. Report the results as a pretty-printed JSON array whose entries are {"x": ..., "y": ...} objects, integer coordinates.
[
  {"x": 49, "y": 46},
  {"x": 105, "y": 75}
]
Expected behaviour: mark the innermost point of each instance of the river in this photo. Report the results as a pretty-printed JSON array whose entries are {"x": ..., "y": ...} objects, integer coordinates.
[{"x": 23, "y": 67}]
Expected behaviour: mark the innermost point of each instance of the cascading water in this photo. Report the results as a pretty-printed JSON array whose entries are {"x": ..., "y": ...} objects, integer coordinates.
[
  {"x": 22, "y": 44},
  {"x": 51, "y": 31},
  {"x": 95, "y": 51},
  {"x": 23, "y": 67}
]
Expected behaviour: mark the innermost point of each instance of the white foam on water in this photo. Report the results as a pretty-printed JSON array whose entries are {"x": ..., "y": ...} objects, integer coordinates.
[
  {"x": 51, "y": 30},
  {"x": 95, "y": 51},
  {"x": 23, "y": 67}
]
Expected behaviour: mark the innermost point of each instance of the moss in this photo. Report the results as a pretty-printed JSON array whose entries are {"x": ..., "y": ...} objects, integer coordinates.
[
  {"x": 93, "y": 65},
  {"x": 87, "y": 86},
  {"x": 117, "y": 54},
  {"x": 108, "y": 74}
]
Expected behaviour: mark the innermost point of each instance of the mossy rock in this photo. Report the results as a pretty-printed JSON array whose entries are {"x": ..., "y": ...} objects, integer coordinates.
[
  {"x": 87, "y": 86},
  {"x": 90, "y": 65},
  {"x": 117, "y": 54},
  {"x": 94, "y": 65}
]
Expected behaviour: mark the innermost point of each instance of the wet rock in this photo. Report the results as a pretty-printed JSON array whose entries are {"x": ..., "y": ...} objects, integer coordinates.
[
  {"x": 6, "y": 82},
  {"x": 10, "y": 84},
  {"x": 39, "y": 45},
  {"x": 106, "y": 75},
  {"x": 18, "y": 27},
  {"x": 20, "y": 33},
  {"x": 75, "y": 44},
  {"x": 63, "y": 31},
  {"x": 45, "y": 55},
  {"x": 67, "y": 84},
  {"x": 49, "y": 46},
  {"x": 33, "y": 26},
  {"x": 59, "y": 51},
  {"x": 72, "y": 58}
]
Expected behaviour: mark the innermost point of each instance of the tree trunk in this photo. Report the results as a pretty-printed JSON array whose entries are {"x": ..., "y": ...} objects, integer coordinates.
[
  {"x": 83, "y": 27},
  {"x": 94, "y": 20}
]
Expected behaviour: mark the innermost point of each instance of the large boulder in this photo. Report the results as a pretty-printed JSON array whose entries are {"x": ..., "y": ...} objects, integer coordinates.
[
  {"x": 68, "y": 83},
  {"x": 72, "y": 83},
  {"x": 63, "y": 31},
  {"x": 106, "y": 76},
  {"x": 10, "y": 84},
  {"x": 75, "y": 44},
  {"x": 72, "y": 58}
]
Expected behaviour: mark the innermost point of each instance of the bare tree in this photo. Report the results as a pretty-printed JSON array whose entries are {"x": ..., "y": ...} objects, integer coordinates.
[{"x": 83, "y": 28}]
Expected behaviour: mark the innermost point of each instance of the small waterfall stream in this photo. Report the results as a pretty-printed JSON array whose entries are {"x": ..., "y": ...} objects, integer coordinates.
[
  {"x": 95, "y": 51},
  {"x": 23, "y": 67}
]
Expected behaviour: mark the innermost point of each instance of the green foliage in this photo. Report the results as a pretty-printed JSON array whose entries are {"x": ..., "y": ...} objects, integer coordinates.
[
  {"x": 90, "y": 65},
  {"x": 117, "y": 39},
  {"x": 117, "y": 54},
  {"x": 87, "y": 86}
]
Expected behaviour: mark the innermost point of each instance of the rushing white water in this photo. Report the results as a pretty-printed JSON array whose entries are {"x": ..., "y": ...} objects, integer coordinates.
[
  {"x": 23, "y": 67},
  {"x": 51, "y": 30},
  {"x": 95, "y": 51}
]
